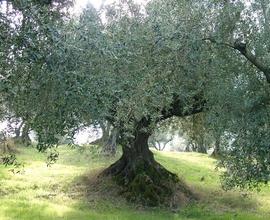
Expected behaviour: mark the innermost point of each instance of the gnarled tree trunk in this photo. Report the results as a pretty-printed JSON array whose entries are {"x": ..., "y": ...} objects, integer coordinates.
[{"x": 142, "y": 177}]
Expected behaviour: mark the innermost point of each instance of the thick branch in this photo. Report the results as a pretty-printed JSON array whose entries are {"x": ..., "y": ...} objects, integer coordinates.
[
  {"x": 242, "y": 48},
  {"x": 181, "y": 109}
]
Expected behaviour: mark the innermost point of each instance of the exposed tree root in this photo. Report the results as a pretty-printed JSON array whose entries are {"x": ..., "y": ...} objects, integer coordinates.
[{"x": 147, "y": 182}]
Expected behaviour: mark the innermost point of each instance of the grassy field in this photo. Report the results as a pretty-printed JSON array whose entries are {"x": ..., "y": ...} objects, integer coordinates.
[{"x": 62, "y": 191}]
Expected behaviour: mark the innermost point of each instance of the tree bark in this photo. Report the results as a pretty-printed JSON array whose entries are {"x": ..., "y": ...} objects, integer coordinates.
[
  {"x": 17, "y": 130},
  {"x": 144, "y": 179},
  {"x": 110, "y": 145},
  {"x": 25, "y": 139},
  {"x": 108, "y": 140},
  {"x": 216, "y": 152},
  {"x": 22, "y": 134},
  {"x": 201, "y": 147}
]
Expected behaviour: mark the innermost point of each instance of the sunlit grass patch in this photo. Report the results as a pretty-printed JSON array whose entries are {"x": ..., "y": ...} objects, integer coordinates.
[{"x": 63, "y": 191}]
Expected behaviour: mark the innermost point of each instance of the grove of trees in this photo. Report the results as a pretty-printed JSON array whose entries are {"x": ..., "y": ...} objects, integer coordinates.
[{"x": 135, "y": 67}]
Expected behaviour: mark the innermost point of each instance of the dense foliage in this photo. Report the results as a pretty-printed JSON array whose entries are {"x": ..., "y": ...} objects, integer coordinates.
[{"x": 135, "y": 67}]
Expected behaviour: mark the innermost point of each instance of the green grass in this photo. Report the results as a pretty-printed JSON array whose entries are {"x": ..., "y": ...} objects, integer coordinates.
[{"x": 58, "y": 192}]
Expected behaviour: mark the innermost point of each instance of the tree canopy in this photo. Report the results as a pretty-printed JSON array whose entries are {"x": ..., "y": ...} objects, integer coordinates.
[{"x": 135, "y": 67}]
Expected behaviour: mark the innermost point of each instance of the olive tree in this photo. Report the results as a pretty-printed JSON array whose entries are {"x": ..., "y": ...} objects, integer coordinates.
[
  {"x": 137, "y": 67},
  {"x": 240, "y": 101}
]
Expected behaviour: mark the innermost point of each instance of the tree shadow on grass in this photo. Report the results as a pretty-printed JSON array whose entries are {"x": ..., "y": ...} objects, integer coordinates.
[
  {"x": 77, "y": 210},
  {"x": 94, "y": 200},
  {"x": 103, "y": 197}
]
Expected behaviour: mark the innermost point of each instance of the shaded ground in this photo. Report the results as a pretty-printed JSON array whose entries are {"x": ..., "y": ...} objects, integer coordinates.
[{"x": 66, "y": 191}]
